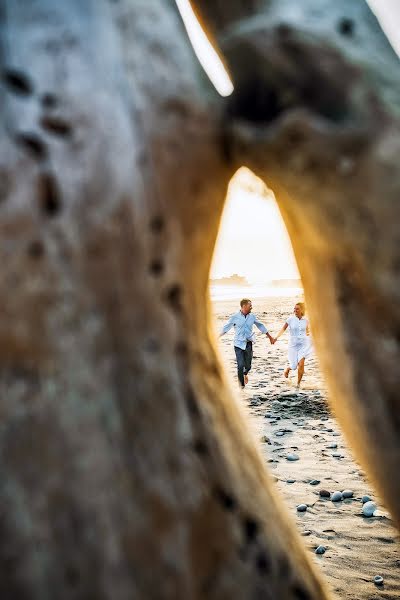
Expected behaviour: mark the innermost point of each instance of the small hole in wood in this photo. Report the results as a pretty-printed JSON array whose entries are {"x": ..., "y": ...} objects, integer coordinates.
[
  {"x": 200, "y": 447},
  {"x": 300, "y": 593},
  {"x": 156, "y": 267},
  {"x": 157, "y": 224},
  {"x": 49, "y": 197},
  {"x": 191, "y": 403},
  {"x": 17, "y": 82},
  {"x": 250, "y": 528},
  {"x": 174, "y": 297},
  {"x": 346, "y": 26},
  {"x": 56, "y": 126},
  {"x": 33, "y": 144},
  {"x": 49, "y": 100},
  {"x": 262, "y": 562},
  {"x": 181, "y": 349},
  {"x": 5, "y": 184},
  {"x": 227, "y": 501},
  {"x": 36, "y": 249}
]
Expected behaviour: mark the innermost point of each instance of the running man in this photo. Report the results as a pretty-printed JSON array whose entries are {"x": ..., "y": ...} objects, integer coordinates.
[{"x": 243, "y": 322}]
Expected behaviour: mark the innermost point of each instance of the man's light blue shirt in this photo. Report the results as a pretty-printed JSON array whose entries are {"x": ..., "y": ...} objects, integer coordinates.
[{"x": 243, "y": 328}]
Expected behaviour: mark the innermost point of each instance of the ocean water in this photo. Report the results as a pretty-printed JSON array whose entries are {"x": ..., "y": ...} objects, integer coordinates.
[{"x": 233, "y": 292}]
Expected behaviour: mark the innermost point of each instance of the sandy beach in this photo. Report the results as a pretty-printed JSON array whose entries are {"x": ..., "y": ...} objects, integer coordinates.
[{"x": 290, "y": 422}]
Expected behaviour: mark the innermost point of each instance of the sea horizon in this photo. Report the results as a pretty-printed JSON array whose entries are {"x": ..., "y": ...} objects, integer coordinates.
[{"x": 236, "y": 292}]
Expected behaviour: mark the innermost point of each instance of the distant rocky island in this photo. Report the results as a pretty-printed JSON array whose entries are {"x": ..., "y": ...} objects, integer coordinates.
[
  {"x": 286, "y": 283},
  {"x": 231, "y": 280}
]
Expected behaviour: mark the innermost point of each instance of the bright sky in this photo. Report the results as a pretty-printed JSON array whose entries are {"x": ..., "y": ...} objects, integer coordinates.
[
  {"x": 388, "y": 14},
  {"x": 253, "y": 240}
]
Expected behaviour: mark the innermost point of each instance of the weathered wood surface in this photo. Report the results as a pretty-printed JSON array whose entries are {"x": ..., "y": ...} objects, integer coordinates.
[
  {"x": 316, "y": 114},
  {"x": 125, "y": 470}
]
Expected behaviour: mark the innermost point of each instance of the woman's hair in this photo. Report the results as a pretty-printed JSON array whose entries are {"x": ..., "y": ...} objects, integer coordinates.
[{"x": 302, "y": 307}]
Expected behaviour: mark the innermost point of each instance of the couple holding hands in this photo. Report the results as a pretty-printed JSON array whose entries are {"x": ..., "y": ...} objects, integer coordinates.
[{"x": 300, "y": 346}]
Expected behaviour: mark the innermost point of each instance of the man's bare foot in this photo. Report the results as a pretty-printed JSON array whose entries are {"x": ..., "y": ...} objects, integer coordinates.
[
  {"x": 286, "y": 373},
  {"x": 246, "y": 379}
]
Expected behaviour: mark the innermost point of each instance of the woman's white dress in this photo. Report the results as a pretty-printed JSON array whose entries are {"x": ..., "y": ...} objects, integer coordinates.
[{"x": 300, "y": 344}]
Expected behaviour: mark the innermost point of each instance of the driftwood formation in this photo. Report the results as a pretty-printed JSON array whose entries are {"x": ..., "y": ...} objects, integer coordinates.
[{"x": 126, "y": 472}]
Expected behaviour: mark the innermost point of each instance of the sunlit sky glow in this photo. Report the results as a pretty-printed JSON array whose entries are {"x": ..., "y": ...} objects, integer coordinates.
[
  {"x": 253, "y": 240},
  {"x": 206, "y": 54},
  {"x": 388, "y": 14}
]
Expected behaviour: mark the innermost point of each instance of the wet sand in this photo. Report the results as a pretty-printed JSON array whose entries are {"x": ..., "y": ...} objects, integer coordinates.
[{"x": 286, "y": 421}]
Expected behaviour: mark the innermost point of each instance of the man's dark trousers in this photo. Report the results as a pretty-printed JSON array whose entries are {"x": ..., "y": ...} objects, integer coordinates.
[{"x": 244, "y": 358}]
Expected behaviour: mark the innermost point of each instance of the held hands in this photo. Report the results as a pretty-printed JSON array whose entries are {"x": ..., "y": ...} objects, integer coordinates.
[{"x": 271, "y": 339}]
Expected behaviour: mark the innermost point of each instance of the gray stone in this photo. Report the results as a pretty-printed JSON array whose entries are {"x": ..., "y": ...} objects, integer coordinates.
[
  {"x": 320, "y": 550},
  {"x": 365, "y": 499},
  {"x": 315, "y": 482},
  {"x": 347, "y": 493},
  {"x": 292, "y": 457},
  {"x": 378, "y": 580},
  {"x": 369, "y": 508},
  {"x": 336, "y": 497},
  {"x": 302, "y": 508}
]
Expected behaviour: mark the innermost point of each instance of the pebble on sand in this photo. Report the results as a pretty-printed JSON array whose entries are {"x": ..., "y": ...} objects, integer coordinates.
[
  {"x": 365, "y": 499},
  {"x": 332, "y": 445},
  {"x": 290, "y": 481},
  {"x": 378, "y": 580},
  {"x": 314, "y": 482},
  {"x": 336, "y": 497},
  {"x": 320, "y": 550},
  {"x": 265, "y": 439},
  {"x": 292, "y": 457},
  {"x": 324, "y": 493},
  {"x": 302, "y": 508},
  {"x": 336, "y": 455},
  {"x": 369, "y": 508},
  {"x": 347, "y": 493}
]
